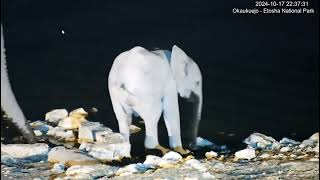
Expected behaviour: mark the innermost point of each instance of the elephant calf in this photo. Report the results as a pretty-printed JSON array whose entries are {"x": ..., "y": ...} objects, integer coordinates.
[{"x": 146, "y": 84}]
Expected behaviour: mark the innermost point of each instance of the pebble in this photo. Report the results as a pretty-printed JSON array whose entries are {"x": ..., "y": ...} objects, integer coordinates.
[
  {"x": 56, "y": 115},
  {"x": 91, "y": 131},
  {"x": 58, "y": 168},
  {"x": 211, "y": 155},
  {"x": 36, "y": 152},
  {"x": 285, "y": 149},
  {"x": 69, "y": 157},
  {"x": 94, "y": 171},
  {"x": 196, "y": 164},
  {"x": 37, "y": 133},
  {"x": 245, "y": 154},
  {"x": 172, "y": 156}
]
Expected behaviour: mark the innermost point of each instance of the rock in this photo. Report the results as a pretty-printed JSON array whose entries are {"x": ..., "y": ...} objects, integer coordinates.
[
  {"x": 203, "y": 142},
  {"x": 314, "y": 159},
  {"x": 315, "y": 137},
  {"x": 285, "y": 149},
  {"x": 265, "y": 156},
  {"x": 172, "y": 156},
  {"x": 260, "y": 141},
  {"x": 78, "y": 112},
  {"x": 211, "y": 155},
  {"x": 196, "y": 165},
  {"x": 69, "y": 157},
  {"x": 41, "y": 126},
  {"x": 132, "y": 169},
  {"x": 62, "y": 134},
  {"x": 245, "y": 154},
  {"x": 90, "y": 171},
  {"x": 37, "y": 133},
  {"x": 307, "y": 143},
  {"x": 58, "y": 168},
  {"x": 56, "y": 115},
  {"x": 316, "y": 149},
  {"x": 8, "y": 160},
  {"x": 106, "y": 151},
  {"x": 53, "y": 131},
  {"x": 208, "y": 175},
  {"x": 34, "y": 152},
  {"x": 134, "y": 129},
  {"x": 286, "y": 142},
  {"x": 72, "y": 122},
  {"x": 110, "y": 138},
  {"x": 91, "y": 131},
  {"x": 275, "y": 145},
  {"x": 221, "y": 158},
  {"x": 152, "y": 160}
]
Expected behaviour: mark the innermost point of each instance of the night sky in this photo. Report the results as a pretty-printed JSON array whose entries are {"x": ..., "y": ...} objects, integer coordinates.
[{"x": 260, "y": 72}]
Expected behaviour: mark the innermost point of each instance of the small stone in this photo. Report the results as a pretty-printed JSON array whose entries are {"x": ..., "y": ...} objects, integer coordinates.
[
  {"x": 307, "y": 143},
  {"x": 8, "y": 160},
  {"x": 110, "y": 138},
  {"x": 258, "y": 140},
  {"x": 41, "y": 126},
  {"x": 56, "y": 115},
  {"x": 35, "y": 152},
  {"x": 208, "y": 175},
  {"x": 94, "y": 171},
  {"x": 62, "y": 134},
  {"x": 108, "y": 152},
  {"x": 196, "y": 165},
  {"x": 69, "y": 157},
  {"x": 78, "y": 112},
  {"x": 152, "y": 160},
  {"x": 37, "y": 133},
  {"x": 286, "y": 141},
  {"x": 203, "y": 142},
  {"x": 211, "y": 155},
  {"x": 221, "y": 158},
  {"x": 92, "y": 131},
  {"x": 172, "y": 156},
  {"x": 245, "y": 154},
  {"x": 72, "y": 122},
  {"x": 132, "y": 169},
  {"x": 285, "y": 149},
  {"x": 314, "y": 159},
  {"x": 134, "y": 129},
  {"x": 58, "y": 168},
  {"x": 265, "y": 156},
  {"x": 293, "y": 156},
  {"x": 315, "y": 137}
]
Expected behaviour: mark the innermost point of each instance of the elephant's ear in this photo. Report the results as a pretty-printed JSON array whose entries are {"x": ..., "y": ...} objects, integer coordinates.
[{"x": 179, "y": 62}]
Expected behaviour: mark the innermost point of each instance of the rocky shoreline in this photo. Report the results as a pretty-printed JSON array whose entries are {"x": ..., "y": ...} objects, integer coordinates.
[{"x": 99, "y": 148}]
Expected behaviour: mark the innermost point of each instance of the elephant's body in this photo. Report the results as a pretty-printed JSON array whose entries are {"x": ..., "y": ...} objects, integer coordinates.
[
  {"x": 145, "y": 83},
  {"x": 141, "y": 82},
  {"x": 9, "y": 103}
]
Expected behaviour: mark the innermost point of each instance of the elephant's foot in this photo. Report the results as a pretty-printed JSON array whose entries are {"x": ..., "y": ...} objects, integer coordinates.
[
  {"x": 162, "y": 149},
  {"x": 180, "y": 150}
]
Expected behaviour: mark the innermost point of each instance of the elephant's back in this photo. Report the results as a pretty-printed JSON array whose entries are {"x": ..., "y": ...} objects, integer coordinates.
[{"x": 141, "y": 71}]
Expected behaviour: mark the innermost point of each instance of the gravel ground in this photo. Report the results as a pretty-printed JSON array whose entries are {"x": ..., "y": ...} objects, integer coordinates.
[{"x": 270, "y": 169}]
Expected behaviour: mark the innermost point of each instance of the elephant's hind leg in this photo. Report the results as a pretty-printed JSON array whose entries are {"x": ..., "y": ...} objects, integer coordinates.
[
  {"x": 151, "y": 115},
  {"x": 124, "y": 117}
]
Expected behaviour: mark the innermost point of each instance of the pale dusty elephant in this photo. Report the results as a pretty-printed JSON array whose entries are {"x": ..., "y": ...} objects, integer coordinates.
[
  {"x": 146, "y": 84},
  {"x": 9, "y": 103}
]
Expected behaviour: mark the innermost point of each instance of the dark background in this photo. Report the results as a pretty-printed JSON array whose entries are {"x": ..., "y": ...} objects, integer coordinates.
[{"x": 260, "y": 72}]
